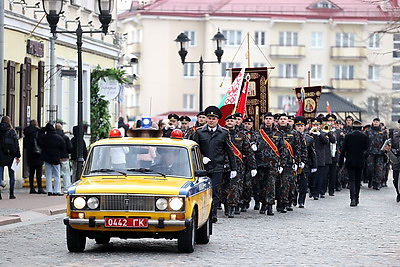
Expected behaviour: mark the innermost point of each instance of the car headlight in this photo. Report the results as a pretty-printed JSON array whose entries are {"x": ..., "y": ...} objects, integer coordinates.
[
  {"x": 175, "y": 203},
  {"x": 93, "y": 203},
  {"x": 79, "y": 203},
  {"x": 161, "y": 204}
]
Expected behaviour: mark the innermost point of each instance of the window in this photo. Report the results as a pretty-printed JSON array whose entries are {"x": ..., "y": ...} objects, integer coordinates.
[
  {"x": 258, "y": 65},
  {"x": 316, "y": 40},
  {"x": 188, "y": 101},
  {"x": 192, "y": 36},
  {"x": 344, "y": 72},
  {"x": 395, "y": 109},
  {"x": 259, "y": 38},
  {"x": 188, "y": 70},
  {"x": 373, "y": 72},
  {"x": 396, "y": 45},
  {"x": 288, "y": 38},
  {"x": 287, "y": 70},
  {"x": 374, "y": 41},
  {"x": 225, "y": 66},
  {"x": 324, "y": 4},
  {"x": 233, "y": 38},
  {"x": 344, "y": 39},
  {"x": 285, "y": 102},
  {"x": 316, "y": 72},
  {"x": 373, "y": 104},
  {"x": 396, "y": 78}
]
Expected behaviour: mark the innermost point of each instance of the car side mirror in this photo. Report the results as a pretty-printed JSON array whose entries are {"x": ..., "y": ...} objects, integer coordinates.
[{"x": 200, "y": 173}]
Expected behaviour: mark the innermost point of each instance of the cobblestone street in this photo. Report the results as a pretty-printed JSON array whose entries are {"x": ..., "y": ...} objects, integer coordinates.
[{"x": 328, "y": 232}]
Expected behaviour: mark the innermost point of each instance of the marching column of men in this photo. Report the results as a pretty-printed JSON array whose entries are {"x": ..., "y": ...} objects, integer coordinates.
[{"x": 285, "y": 159}]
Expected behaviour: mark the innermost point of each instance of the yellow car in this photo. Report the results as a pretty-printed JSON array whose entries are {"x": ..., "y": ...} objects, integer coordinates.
[{"x": 135, "y": 187}]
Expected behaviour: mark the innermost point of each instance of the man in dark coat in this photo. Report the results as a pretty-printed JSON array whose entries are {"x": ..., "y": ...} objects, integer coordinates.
[
  {"x": 33, "y": 157},
  {"x": 121, "y": 124},
  {"x": 52, "y": 146},
  {"x": 354, "y": 146},
  {"x": 214, "y": 142},
  {"x": 65, "y": 167}
]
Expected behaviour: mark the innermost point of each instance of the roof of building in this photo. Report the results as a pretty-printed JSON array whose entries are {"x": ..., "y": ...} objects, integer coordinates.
[{"x": 317, "y": 9}]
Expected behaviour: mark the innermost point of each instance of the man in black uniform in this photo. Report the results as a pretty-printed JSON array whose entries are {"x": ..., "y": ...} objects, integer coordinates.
[
  {"x": 214, "y": 142},
  {"x": 172, "y": 125},
  {"x": 184, "y": 123},
  {"x": 354, "y": 146},
  {"x": 201, "y": 121},
  {"x": 394, "y": 135}
]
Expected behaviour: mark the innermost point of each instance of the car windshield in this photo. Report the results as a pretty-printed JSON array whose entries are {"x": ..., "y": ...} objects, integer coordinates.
[{"x": 138, "y": 160}]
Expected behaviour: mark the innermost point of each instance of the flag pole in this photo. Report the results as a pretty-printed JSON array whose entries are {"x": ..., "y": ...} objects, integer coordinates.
[{"x": 248, "y": 49}]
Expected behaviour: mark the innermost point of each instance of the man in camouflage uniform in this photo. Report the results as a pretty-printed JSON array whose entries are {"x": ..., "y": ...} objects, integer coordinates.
[
  {"x": 308, "y": 162},
  {"x": 231, "y": 189},
  {"x": 394, "y": 135},
  {"x": 376, "y": 158},
  {"x": 201, "y": 121},
  {"x": 287, "y": 183},
  {"x": 270, "y": 151},
  {"x": 249, "y": 182}
]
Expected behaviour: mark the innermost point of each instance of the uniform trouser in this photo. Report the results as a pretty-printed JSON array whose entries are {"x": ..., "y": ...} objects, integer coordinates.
[
  {"x": 38, "y": 170},
  {"x": 247, "y": 188},
  {"x": 283, "y": 186},
  {"x": 354, "y": 181},
  {"x": 266, "y": 185},
  {"x": 316, "y": 183},
  {"x": 231, "y": 189},
  {"x": 215, "y": 181},
  {"x": 302, "y": 180},
  {"x": 375, "y": 168},
  {"x": 324, "y": 179},
  {"x": 396, "y": 180},
  {"x": 332, "y": 178}
]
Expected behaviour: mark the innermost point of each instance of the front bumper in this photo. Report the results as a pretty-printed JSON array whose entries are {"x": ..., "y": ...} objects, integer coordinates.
[{"x": 160, "y": 223}]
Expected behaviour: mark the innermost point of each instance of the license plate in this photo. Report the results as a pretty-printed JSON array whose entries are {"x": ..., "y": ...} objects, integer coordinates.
[{"x": 126, "y": 222}]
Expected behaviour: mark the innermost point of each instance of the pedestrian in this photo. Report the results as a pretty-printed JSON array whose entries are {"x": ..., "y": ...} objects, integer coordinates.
[
  {"x": 74, "y": 152},
  {"x": 65, "y": 166},
  {"x": 9, "y": 151},
  {"x": 394, "y": 135},
  {"x": 376, "y": 158},
  {"x": 215, "y": 144},
  {"x": 33, "y": 151},
  {"x": 52, "y": 146},
  {"x": 122, "y": 124},
  {"x": 394, "y": 157},
  {"x": 355, "y": 144}
]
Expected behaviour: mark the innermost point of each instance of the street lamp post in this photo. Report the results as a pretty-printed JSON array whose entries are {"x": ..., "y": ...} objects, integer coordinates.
[
  {"x": 183, "y": 40},
  {"x": 53, "y": 8}
]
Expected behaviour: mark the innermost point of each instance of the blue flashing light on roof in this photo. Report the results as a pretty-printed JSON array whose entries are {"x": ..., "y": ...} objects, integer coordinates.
[{"x": 146, "y": 123}]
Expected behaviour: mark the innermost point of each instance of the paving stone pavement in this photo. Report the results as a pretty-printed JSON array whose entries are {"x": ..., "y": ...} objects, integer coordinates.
[{"x": 328, "y": 232}]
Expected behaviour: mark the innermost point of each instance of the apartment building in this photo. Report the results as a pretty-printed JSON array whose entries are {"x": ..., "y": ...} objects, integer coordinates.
[{"x": 347, "y": 46}]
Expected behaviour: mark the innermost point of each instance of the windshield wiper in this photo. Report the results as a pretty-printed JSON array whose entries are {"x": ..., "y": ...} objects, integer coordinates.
[
  {"x": 109, "y": 170},
  {"x": 146, "y": 170}
]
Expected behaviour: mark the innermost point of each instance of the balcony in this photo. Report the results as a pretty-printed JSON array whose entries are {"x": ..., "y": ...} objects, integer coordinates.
[
  {"x": 278, "y": 51},
  {"x": 280, "y": 83},
  {"x": 349, "y": 85},
  {"x": 357, "y": 52}
]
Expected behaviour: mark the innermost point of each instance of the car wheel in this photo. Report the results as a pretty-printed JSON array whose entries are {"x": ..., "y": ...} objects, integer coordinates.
[
  {"x": 204, "y": 232},
  {"x": 102, "y": 240},
  {"x": 76, "y": 240},
  {"x": 187, "y": 237}
]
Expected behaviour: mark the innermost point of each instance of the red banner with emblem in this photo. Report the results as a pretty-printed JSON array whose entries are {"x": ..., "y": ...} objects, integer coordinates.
[{"x": 309, "y": 99}]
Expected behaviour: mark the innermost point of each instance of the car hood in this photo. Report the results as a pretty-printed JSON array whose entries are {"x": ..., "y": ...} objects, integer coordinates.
[{"x": 137, "y": 185}]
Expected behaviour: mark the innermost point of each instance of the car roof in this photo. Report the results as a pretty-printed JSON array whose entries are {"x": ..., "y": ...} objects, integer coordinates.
[{"x": 146, "y": 141}]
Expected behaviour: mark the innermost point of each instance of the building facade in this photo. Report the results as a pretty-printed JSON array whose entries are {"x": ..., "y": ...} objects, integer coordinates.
[{"x": 349, "y": 46}]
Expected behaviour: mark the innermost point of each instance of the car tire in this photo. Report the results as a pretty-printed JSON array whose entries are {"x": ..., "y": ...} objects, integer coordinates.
[
  {"x": 204, "y": 232},
  {"x": 187, "y": 238},
  {"x": 76, "y": 240},
  {"x": 102, "y": 240}
]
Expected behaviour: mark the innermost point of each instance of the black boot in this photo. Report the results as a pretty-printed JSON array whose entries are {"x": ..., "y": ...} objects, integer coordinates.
[
  {"x": 289, "y": 207},
  {"x": 231, "y": 212},
  {"x": 243, "y": 207},
  {"x": 41, "y": 191},
  {"x": 353, "y": 203},
  {"x": 237, "y": 210},
  {"x": 0, "y": 196},
  {"x": 263, "y": 208},
  {"x": 226, "y": 209},
  {"x": 12, "y": 196},
  {"x": 257, "y": 206},
  {"x": 398, "y": 198},
  {"x": 32, "y": 191},
  {"x": 269, "y": 210}
]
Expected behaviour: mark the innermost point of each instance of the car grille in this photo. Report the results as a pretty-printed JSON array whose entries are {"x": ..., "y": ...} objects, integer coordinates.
[{"x": 127, "y": 202}]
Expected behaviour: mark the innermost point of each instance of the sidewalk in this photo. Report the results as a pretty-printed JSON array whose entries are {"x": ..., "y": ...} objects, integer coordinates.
[{"x": 27, "y": 206}]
